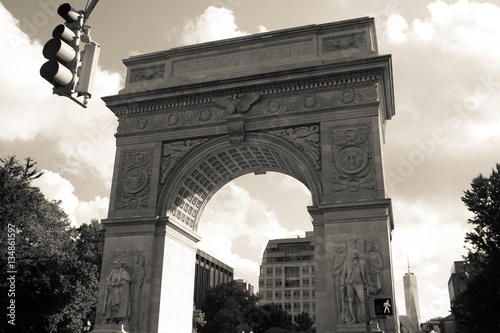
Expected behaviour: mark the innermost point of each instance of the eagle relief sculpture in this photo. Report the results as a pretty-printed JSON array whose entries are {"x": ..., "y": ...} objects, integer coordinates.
[{"x": 237, "y": 103}]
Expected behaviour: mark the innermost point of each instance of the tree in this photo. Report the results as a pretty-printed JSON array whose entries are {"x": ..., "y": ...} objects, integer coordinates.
[
  {"x": 304, "y": 322},
  {"x": 273, "y": 318},
  {"x": 198, "y": 319},
  {"x": 477, "y": 307},
  {"x": 54, "y": 284},
  {"x": 227, "y": 309}
]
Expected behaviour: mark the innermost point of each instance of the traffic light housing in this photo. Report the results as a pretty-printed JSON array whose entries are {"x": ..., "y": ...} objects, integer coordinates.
[{"x": 71, "y": 68}]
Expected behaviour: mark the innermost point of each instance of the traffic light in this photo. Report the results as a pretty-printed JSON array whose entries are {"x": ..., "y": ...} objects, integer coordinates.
[{"x": 70, "y": 68}]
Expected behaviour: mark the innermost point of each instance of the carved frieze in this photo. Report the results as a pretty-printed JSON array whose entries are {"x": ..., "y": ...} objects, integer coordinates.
[
  {"x": 345, "y": 42},
  {"x": 223, "y": 107},
  {"x": 135, "y": 180},
  {"x": 306, "y": 138},
  {"x": 352, "y": 159},
  {"x": 173, "y": 152},
  {"x": 147, "y": 73}
]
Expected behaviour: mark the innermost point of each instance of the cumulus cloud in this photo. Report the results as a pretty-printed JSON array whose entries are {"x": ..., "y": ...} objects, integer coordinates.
[
  {"x": 58, "y": 188},
  {"x": 214, "y": 24}
]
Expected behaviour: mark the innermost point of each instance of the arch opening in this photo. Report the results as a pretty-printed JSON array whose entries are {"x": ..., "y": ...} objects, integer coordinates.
[
  {"x": 246, "y": 213},
  {"x": 214, "y": 163}
]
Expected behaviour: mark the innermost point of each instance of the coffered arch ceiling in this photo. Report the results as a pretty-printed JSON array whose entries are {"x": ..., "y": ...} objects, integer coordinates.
[{"x": 213, "y": 163}]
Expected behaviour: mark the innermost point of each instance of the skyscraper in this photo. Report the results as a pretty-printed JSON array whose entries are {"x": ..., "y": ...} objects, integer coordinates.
[{"x": 412, "y": 319}]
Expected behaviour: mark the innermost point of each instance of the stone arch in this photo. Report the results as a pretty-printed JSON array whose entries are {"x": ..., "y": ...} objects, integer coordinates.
[
  {"x": 203, "y": 171},
  {"x": 311, "y": 102}
]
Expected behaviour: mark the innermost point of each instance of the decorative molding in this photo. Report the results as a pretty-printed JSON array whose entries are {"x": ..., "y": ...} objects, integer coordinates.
[
  {"x": 306, "y": 138},
  {"x": 173, "y": 152},
  {"x": 344, "y": 42},
  {"x": 352, "y": 159},
  {"x": 147, "y": 73},
  {"x": 134, "y": 180},
  {"x": 264, "y": 106}
]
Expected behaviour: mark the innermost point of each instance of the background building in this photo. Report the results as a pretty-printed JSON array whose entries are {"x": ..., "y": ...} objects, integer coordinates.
[
  {"x": 209, "y": 272},
  {"x": 411, "y": 321},
  {"x": 287, "y": 275},
  {"x": 245, "y": 285},
  {"x": 456, "y": 283}
]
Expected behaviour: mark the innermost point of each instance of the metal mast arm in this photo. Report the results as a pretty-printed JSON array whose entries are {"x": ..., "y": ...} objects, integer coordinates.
[{"x": 89, "y": 9}]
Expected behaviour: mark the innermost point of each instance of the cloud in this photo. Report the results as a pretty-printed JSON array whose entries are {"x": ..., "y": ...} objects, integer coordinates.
[
  {"x": 58, "y": 188},
  {"x": 235, "y": 228},
  {"x": 84, "y": 137},
  {"x": 214, "y": 24}
]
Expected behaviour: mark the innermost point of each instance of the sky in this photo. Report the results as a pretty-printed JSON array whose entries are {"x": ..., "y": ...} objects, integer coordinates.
[{"x": 446, "y": 131}]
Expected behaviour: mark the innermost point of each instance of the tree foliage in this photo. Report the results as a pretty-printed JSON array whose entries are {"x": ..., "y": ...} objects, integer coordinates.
[
  {"x": 477, "y": 307},
  {"x": 229, "y": 308},
  {"x": 57, "y": 267}
]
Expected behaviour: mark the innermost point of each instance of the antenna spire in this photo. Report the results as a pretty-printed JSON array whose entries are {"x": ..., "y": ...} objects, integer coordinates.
[{"x": 408, "y": 260}]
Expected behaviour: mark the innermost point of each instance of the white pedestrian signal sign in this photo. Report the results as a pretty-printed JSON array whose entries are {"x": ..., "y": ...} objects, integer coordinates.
[{"x": 383, "y": 306}]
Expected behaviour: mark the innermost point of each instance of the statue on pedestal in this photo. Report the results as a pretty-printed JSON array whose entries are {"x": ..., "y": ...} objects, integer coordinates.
[{"x": 117, "y": 296}]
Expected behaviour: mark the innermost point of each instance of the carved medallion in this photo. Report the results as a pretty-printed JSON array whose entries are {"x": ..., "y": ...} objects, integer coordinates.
[
  {"x": 135, "y": 180},
  {"x": 135, "y": 176},
  {"x": 351, "y": 160},
  {"x": 351, "y": 153}
]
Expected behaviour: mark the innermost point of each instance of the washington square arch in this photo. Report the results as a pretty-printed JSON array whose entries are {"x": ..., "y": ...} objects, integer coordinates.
[{"x": 310, "y": 102}]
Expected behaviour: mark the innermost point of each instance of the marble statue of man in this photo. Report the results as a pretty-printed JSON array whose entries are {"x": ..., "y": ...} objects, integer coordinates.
[
  {"x": 117, "y": 295},
  {"x": 354, "y": 278}
]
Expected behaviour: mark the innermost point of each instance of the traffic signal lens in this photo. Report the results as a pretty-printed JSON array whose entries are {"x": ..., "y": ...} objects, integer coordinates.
[
  {"x": 68, "y": 13},
  {"x": 56, "y": 74},
  {"x": 57, "y": 49},
  {"x": 61, "y": 31}
]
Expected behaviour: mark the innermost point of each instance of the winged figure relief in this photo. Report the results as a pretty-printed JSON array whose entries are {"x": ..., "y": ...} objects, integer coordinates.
[{"x": 237, "y": 103}]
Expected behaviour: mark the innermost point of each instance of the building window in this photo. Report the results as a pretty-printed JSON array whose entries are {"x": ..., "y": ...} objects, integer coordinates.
[
  {"x": 305, "y": 282},
  {"x": 269, "y": 295},
  {"x": 305, "y": 306},
  {"x": 288, "y": 306},
  {"x": 313, "y": 293},
  {"x": 296, "y": 294},
  {"x": 261, "y": 283},
  {"x": 278, "y": 295},
  {"x": 305, "y": 270},
  {"x": 278, "y": 271},
  {"x": 279, "y": 305},
  {"x": 314, "y": 306},
  {"x": 269, "y": 283},
  {"x": 277, "y": 283},
  {"x": 312, "y": 269},
  {"x": 292, "y": 277},
  {"x": 288, "y": 294},
  {"x": 269, "y": 271},
  {"x": 296, "y": 306},
  {"x": 313, "y": 281},
  {"x": 305, "y": 294}
]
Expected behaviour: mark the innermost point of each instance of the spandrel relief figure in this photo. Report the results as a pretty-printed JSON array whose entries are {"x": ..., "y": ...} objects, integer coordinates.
[
  {"x": 354, "y": 278},
  {"x": 337, "y": 268},
  {"x": 375, "y": 267},
  {"x": 117, "y": 295}
]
